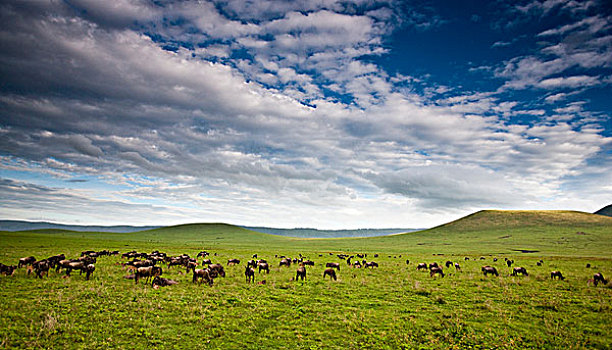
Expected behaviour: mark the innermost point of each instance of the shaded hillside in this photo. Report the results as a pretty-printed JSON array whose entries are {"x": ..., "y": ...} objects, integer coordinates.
[{"x": 607, "y": 211}]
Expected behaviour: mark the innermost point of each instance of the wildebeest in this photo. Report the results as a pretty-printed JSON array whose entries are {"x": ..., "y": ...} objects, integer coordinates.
[
  {"x": 448, "y": 264},
  {"x": 233, "y": 262},
  {"x": 7, "y": 269},
  {"x": 89, "y": 269},
  {"x": 436, "y": 270},
  {"x": 300, "y": 273},
  {"x": 538, "y": 263},
  {"x": 509, "y": 262},
  {"x": 308, "y": 263},
  {"x": 489, "y": 270},
  {"x": 249, "y": 273},
  {"x": 202, "y": 275},
  {"x": 162, "y": 282},
  {"x": 407, "y": 262},
  {"x": 521, "y": 270},
  {"x": 371, "y": 264},
  {"x": 556, "y": 274},
  {"x": 216, "y": 269},
  {"x": 457, "y": 267},
  {"x": 598, "y": 277},
  {"x": 148, "y": 273},
  {"x": 588, "y": 266},
  {"x": 333, "y": 265},
  {"x": 330, "y": 272},
  {"x": 433, "y": 264},
  {"x": 285, "y": 262},
  {"x": 422, "y": 266},
  {"x": 206, "y": 262},
  {"x": 41, "y": 267},
  {"x": 26, "y": 261},
  {"x": 263, "y": 266},
  {"x": 252, "y": 263},
  {"x": 191, "y": 265},
  {"x": 356, "y": 264}
]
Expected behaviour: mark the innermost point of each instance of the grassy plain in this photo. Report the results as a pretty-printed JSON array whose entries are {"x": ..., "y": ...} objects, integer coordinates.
[{"x": 392, "y": 307}]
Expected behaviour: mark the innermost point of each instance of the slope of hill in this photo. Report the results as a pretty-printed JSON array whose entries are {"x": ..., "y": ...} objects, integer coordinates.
[
  {"x": 607, "y": 211},
  {"x": 315, "y": 233},
  {"x": 512, "y": 231}
]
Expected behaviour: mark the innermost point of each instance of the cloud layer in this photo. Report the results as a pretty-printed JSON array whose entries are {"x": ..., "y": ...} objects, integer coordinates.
[{"x": 226, "y": 111}]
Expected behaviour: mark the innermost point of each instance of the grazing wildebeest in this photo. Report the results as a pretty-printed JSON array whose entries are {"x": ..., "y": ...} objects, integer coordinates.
[
  {"x": 371, "y": 264},
  {"x": 407, "y": 262},
  {"x": 598, "y": 277},
  {"x": 216, "y": 269},
  {"x": 75, "y": 265},
  {"x": 357, "y": 264},
  {"x": 252, "y": 263},
  {"x": 436, "y": 270},
  {"x": 308, "y": 263},
  {"x": 521, "y": 270},
  {"x": 376, "y": 255},
  {"x": 254, "y": 256},
  {"x": 588, "y": 266},
  {"x": 509, "y": 262},
  {"x": 191, "y": 265},
  {"x": 206, "y": 262},
  {"x": 330, "y": 272},
  {"x": 489, "y": 270},
  {"x": 433, "y": 264},
  {"x": 203, "y": 254},
  {"x": 285, "y": 262},
  {"x": 422, "y": 266},
  {"x": 466, "y": 258},
  {"x": 249, "y": 273},
  {"x": 26, "y": 261},
  {"x": 448, "y": 263},
  {"x": 457, "y": 267},
  {"x": 162, "y": 282},
  {"x": 300, "y": 273},
  {"x": 41, "y": 267},
  {"x": 148, "y": 273},
  {"x": 89, "y": 269},
  {"x": 538, "y": 263},
  {"x": 233, "y": 262},
  {"x": 494, "y": 259},
  {"x": 556, "y": 274},
  {"x": 333, "y": 265},
  {"x": 263, "y": 266},
  {"x": 202, "y": 275},
  {"x": 7, "y": 269}
]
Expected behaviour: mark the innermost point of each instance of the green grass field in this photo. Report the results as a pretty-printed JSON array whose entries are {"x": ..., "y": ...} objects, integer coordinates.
[{"x": 392, "y": 307}]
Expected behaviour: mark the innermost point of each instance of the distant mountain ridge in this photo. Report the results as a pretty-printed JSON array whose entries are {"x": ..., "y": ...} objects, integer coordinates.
[
  {"x": 607, "y": 211},
  {"x": 16, "y": 225},
  {"x": 315, "y": 233}
]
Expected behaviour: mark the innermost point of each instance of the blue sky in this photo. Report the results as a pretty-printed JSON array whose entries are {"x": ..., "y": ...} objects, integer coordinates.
[{"x": 322, "y": 113}]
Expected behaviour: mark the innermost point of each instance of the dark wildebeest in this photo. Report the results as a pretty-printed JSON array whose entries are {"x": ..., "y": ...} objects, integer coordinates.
[
  {"x": 162, "y": 282},
  {"x": 448, "y": 263},
  {"x": 556, "y": 274},
  {"x": 263, "y": 266},
  {"x": 588, "y": 266},
  {"x": 436, "y": 270},
  {"x": 216, "y": 269},
  {"x": 598, "y": 277},
  {"x": 356, "y": 264},
  {"x": 457, "y": 267},
  {"x": 89, "y": 269},
  {"x": 300, "y": 273},
  {"x": 371, "y": 264},
  {"x": 285, "y": 262},
  {"x": 41, "y": 267},
  {"x": 148, "y": 273},
  {"x": 75, "y": 265},
  {"x": 489, "y": 270},
  {"x": 407, "y": 262},
  {"x": 494, "y": 259},
  {"x": 521, "y": 270},
  {"x": 206, "y": 262},
  {"x": 203, "y": 275},
  {"x": 7, "y": 269},
  {"x": 26, "y": 261},
  {"x": 509, "y": 262},
  {"x": 308, "y": 263},
  {"x": 422, "y": 266},
  {"x": 538, "y": 263},
  {"x": 233, "y": 262},
  {"x": 433, "y": 264},
  {"x": 333, "y": 265},
  {"x": 191, "y": 265},
  {"x": 249, "y": 273},
  {"x": 252, "y": 263},
  {"x": 203, "y": 254},
  {"x": 330, "y": 272}
]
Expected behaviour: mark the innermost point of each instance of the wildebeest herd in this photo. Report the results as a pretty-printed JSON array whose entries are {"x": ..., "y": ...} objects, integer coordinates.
[{"x": 147, "y": 266}]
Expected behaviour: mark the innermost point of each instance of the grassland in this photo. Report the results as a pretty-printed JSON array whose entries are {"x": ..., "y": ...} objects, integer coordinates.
[{"x": 392, "y": 307}]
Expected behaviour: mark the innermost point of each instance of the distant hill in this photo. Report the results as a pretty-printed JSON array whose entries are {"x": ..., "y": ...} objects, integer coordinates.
[
  {"x": 15, "y": 225},
  {"x": 314, "y": 233},
  {"x": 607, "y": 211}
]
